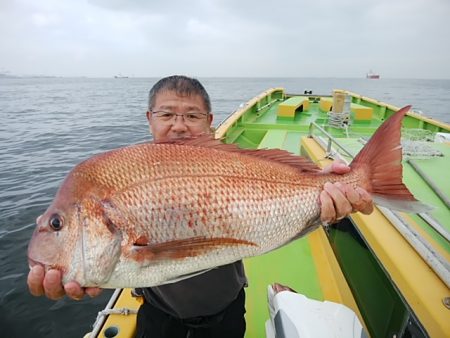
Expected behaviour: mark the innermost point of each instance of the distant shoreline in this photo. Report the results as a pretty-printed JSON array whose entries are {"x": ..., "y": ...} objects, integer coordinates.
[{"x": 15, "y": 76}]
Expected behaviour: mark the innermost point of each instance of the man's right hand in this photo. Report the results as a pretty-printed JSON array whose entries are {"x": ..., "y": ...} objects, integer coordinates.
[{"x": 50, "y": 284}]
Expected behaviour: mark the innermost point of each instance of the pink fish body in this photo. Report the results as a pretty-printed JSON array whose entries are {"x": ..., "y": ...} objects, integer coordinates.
[{"x": 151, "y": 214}]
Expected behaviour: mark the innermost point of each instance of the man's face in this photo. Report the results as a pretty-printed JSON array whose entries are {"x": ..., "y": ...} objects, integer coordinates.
[{"x": 179, "y": 127}]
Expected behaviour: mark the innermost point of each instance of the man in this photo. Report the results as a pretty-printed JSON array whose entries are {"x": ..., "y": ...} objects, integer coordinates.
[{"x": 210, "y": 304}]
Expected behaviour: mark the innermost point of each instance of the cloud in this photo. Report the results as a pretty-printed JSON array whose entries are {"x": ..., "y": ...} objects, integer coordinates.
[{"x": 398, "y": 38}]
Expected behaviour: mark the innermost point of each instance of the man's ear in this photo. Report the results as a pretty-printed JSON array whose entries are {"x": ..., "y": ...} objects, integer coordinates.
[
  {"x": 210, "y": 118},
  {"x": 149, "y": 116}
]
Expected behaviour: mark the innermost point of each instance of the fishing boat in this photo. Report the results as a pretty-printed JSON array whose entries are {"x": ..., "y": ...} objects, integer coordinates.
[
  {"x": 390, "y": 269},
  {"x": 373, "y": 76}
]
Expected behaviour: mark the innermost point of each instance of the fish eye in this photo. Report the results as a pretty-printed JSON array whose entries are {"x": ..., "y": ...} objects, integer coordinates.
[{"x": 56, "y": 222}]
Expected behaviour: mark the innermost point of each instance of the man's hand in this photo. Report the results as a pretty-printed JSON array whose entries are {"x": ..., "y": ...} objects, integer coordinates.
[
  {"x": 338, "y": 200},
  {"x": 50, "y": 285}
]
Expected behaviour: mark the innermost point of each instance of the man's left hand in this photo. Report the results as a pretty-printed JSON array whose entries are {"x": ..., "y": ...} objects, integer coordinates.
[{"x": 338, "y": 200}]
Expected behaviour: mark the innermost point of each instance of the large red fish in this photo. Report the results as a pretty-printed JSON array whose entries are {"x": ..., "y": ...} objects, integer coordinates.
[{"x": 150, "y": 214}]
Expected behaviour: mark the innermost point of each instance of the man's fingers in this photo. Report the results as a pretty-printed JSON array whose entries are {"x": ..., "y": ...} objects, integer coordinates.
[
  {"x": 52, "y": 285},
  {"x": 359, "y": 199},
  {"x": 74, "y": 290},
  {"x": 327, "y": 211},
  {"x": 366, "y": 202},
  {"x": 93, "y": 292},
  {"x": 341, "y": 204},
  {"x": 338, "y": 200},
  {"x": 337, "y": 167},
  {"x": 352, "y": 194},
  {"x": 35, "y": 280}
]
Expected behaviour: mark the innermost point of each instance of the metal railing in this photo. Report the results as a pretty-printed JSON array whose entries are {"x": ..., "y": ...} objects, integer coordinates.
[{"x": 331, "y": 139}]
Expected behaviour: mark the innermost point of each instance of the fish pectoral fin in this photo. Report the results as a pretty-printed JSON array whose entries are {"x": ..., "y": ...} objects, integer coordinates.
[{"x": 182, "y": 248}]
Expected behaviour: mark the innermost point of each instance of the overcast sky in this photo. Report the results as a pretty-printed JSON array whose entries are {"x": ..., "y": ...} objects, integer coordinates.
[{"x": 316, "y": 38}]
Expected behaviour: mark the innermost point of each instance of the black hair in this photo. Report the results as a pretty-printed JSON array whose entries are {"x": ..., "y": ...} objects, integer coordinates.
[{"x": 182, "y": 85}]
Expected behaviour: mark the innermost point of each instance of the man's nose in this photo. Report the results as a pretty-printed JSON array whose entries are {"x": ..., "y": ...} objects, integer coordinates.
[{"x": 179, "y": 125}]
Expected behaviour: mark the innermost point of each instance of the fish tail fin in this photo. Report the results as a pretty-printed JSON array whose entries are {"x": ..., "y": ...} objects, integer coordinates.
[{"x": 380, "y": 161}]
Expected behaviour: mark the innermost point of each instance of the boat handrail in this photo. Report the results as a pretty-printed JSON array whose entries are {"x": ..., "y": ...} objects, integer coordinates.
[
  {"x": 232, "y": 118},
  {"x": 258, "y": 109},
  {"x": 331, "y": 139}
]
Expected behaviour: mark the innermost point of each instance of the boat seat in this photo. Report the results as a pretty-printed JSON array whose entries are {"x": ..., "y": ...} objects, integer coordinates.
[
  {"x": 325, "y": 104},
  {"x": 288, "y": 108},
  {"x": 361, "y": 113},
  {"x": 273, "y": 139}
]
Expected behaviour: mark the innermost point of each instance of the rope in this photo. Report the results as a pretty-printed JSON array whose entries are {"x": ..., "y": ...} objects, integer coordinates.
[
  {"x": 122, "y": 311},
  {"x": 419, "y": 149},
  {"x": 418, "y": 143},
  {"x": 413, "y": 148},
  {"x": 339, "y": 120}
]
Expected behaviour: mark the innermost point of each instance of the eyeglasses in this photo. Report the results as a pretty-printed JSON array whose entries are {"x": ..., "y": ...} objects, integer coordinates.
[{"x": 190, "y": 119}]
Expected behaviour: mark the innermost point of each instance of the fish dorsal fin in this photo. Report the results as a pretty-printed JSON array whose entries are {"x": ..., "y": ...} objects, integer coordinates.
[{"x": 300, "y": 163}]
